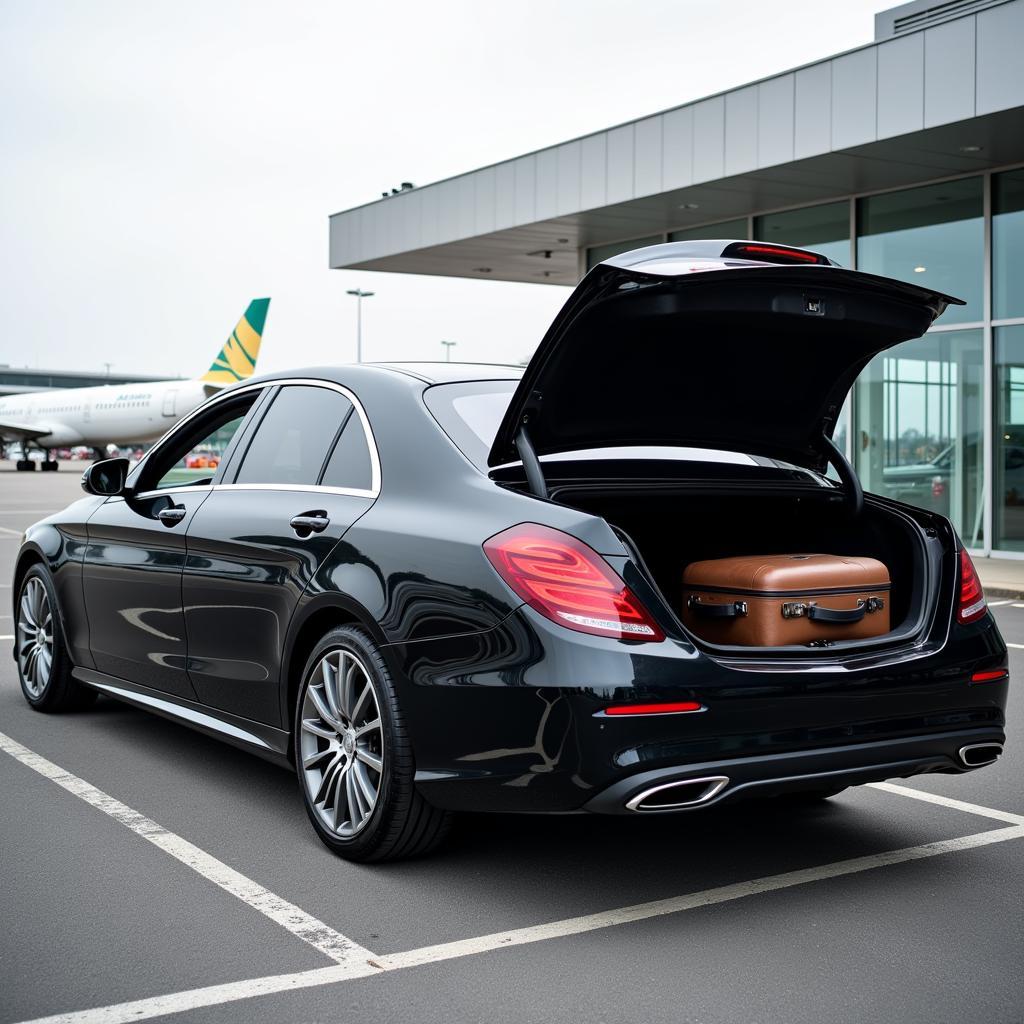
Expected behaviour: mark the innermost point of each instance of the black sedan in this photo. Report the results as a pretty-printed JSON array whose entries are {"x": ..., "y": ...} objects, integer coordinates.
[{"x": 442, "y": 587}]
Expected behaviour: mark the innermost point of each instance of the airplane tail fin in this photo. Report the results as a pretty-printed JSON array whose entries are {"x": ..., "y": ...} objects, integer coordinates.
[{"x": 237, "y": 359}]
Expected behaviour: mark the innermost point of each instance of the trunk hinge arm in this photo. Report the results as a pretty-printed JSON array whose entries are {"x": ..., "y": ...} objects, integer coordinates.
[
  {"x": 534, "y": 473},
  {"x": 847, "y": 475}
]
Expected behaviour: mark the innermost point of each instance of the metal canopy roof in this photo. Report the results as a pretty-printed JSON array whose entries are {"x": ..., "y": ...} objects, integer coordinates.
[{"x": 892, "y": 113}]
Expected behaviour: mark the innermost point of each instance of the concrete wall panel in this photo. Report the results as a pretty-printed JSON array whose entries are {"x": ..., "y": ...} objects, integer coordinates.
[
  {"x": 741, "y": 130},
  {"x": 504, "y": 196},
  {"x": 854, "y": 98},
  {"x": 775, "y": 100},
  {"x": 677, "y": 148},
  {"x": 620, "y": 164},
  {"x": 526, "y": 189},
  {"x": 569, "y": 156},
  {"x": 547, "y": 184},
  {"x": 1000, "y": 71},
  {"x": 484, "y": 199},
  {"x": 647, "y": 162},
  {"x": 812, "y": 128},
  {"x": 593, "y": 170},
  {"x": 901, "y": 85},
  {"x": 949, "y": 72},
  {"x": 709, "y": 139}
]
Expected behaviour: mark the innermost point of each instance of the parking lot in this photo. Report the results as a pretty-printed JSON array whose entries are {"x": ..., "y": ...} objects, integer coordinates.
[{"x": 148, "y": 870}]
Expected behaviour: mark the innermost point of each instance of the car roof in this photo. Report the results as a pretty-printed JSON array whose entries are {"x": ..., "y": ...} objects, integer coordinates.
[{"x": 443, "y": 372}]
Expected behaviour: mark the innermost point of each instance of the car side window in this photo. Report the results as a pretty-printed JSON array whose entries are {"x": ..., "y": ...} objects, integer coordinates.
[
  {"x": 294, "y": 437},
  {"x": 349, "y": 464},
  {"x": 191, "y": 456}
]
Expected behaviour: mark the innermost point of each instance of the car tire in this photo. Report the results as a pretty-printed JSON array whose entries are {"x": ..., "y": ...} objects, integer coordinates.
[
  {"x": 44, "y": 666},
  {"x": 357, "y": 779}
]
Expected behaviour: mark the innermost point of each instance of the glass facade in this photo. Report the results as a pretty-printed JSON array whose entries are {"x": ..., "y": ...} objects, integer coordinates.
[
  {"x": 1008, "y": 245},
  {"x": 1008, "y": 435},
  {"x": 924, "y": 423},
  {"x": 722, "y": 229},
  {"x": 933, "y": 236},
  {"x": 825, "y": 229},
  {"x": 920, "y": 434}
]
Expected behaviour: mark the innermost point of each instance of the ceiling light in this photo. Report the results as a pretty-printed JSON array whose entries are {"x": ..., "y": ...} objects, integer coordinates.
[
  {"x": 483, "y": 270},
  {"x": 920, "y": 270},
  {"x": 970, "y": 149},
  {"x": 689, "y": 206},
  {"x": 563, "y": 241}
]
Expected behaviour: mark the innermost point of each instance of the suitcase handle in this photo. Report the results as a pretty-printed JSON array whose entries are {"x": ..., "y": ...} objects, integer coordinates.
[
  {"x": 716, "y": 611},
  {"x": 814, "y": 612}
]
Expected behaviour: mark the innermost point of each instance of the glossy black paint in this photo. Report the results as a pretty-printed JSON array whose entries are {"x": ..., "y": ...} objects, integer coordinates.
[{"x": 210, "y": 619}]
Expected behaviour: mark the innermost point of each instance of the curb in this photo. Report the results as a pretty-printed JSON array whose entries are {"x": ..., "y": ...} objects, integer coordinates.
[{"x": 1016, "y": 594}]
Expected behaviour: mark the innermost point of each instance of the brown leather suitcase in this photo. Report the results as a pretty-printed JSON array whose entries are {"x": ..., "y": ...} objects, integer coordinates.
[{"x": 774, "y": 600}]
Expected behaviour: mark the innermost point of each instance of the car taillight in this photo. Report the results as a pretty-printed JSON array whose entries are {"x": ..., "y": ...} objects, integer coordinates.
[
  {"x": 938, "y": 487},
  {"x": 972, "y": 605},
  {"x": 773, "y": 253},
  {"x": 569, "y": 583}
]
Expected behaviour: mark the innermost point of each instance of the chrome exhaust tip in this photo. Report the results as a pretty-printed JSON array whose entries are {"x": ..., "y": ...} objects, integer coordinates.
[
  {"x": 671, "y": 796},
  {"x": 976, "y": 755}
]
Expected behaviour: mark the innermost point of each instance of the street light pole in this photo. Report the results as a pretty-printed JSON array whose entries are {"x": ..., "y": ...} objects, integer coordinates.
[
  {"x": 448, "y": 350},
  {"x": 360, "y": 295}
]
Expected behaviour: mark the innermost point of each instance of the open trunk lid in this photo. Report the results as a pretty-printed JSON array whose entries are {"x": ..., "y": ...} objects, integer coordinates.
[{"x": 691, "y": 345}]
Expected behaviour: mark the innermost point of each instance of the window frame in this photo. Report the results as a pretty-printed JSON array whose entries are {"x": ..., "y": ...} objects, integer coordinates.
[
  {"x": 357, "y": 408},
  {"x": 235, "y": 455}
]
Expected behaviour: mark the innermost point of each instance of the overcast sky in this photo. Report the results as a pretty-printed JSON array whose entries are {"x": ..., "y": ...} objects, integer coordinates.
[{"x": 162, "y": 163}]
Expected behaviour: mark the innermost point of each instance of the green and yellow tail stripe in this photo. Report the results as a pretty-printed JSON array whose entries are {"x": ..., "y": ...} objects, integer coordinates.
[{"x": 237, "y": 359}]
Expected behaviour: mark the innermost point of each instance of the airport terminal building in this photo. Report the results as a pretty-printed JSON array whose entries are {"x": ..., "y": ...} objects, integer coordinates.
[{"x": 904, "y": 157}]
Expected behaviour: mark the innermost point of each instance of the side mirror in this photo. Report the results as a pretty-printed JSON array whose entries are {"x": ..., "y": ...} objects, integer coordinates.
[{"x": 107, "y": 478}]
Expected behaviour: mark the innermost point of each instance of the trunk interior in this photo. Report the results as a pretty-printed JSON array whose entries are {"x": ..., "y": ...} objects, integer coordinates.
[{"x": 670, "y": 530}]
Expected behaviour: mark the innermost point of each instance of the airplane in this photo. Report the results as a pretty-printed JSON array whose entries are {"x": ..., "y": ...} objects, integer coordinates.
[{"x": 125, "y": 413}]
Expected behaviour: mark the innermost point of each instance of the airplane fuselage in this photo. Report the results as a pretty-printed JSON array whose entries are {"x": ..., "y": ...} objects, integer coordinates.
[{"x": 110, "y": 414}]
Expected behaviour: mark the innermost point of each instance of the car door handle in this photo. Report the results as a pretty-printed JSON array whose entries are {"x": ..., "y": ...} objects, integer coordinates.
[
  {"x": 310, "y": 522},
  {"x": 172, "y": 515}
]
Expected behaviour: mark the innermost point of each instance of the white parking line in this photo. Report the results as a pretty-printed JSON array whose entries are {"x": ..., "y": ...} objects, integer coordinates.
[
  {"x": 15, "y": 533},
  {"x": 179, "y": 1002},
  {"x": 302, "y": 925},
  {"x": 998, "y": 604},
  {"x": 1018, "y": 604},
  {"x": 1019, "y": 647},
  {"x": 945, "y": 801},
  {"x": 7, "y": 636}
]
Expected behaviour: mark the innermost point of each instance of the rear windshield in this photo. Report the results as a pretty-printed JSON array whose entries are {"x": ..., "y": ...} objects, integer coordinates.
[{"x": 470, "y": 413}]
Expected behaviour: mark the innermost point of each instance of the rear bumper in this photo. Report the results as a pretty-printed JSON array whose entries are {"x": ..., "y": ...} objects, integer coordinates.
[{"x": 773, "y": 774}]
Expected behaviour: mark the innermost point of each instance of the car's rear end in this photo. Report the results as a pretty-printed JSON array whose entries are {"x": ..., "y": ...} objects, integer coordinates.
[{"x": 670, "y": 348}]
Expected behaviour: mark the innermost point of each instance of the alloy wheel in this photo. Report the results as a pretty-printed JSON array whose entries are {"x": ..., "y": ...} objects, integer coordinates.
[
  {"x": 35, "y": 637},
  {"x": 341, "y": 743}
]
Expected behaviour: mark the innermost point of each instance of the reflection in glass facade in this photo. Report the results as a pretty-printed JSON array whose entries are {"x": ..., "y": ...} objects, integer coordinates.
[
  {"x": 825, "y": 229},
  {"x": 1008, "y": 245},
  {"x": 933, "y": 236},
  {"x": 1008, "y": 475},
  {"x": 919, "y": 429},
  {"x": 723, "y": 229}
]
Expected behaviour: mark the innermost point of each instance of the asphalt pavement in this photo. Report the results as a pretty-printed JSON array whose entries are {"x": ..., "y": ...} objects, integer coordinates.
[{"x": 148, "y": 872}]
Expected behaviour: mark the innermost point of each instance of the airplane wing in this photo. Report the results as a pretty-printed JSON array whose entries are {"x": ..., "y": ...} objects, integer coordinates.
[{"x": 21, "y": 432}]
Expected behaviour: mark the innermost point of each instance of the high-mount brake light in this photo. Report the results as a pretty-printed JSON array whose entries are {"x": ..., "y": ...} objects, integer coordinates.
[
  {"x": 972, "y": 605},
  {"x": 677, "y": 707},
  {"x": 774, "y": 253},
  {"x": 569, "y": 582}
]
